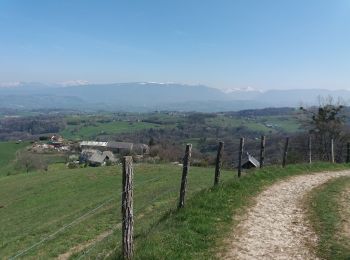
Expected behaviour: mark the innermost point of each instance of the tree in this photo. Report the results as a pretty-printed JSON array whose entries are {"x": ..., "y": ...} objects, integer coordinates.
[
  {"x": 325, "y": 122},
  {"x": 31, "y": 162},
  {"x": 151, "y": 141}
]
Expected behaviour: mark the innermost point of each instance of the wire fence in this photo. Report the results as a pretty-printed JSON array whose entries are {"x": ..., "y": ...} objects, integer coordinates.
[
  {"x": 298, "y": 152},
  {"x": 76, "y": 221}
]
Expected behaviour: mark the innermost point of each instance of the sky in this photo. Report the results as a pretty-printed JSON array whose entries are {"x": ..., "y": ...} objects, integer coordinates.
[{"x": 261, "y": 44}]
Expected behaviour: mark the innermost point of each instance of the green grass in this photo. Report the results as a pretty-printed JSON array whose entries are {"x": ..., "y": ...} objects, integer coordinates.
[
  {"x": 197, "y": 231},
  {"x": 8, "y": 155},
  {"x": 79, "y": 132},
  {"x": 288, "y": 124},
  {"x": 224, "y": 121},
  {"x": 35, "y": 205},
  {"x": 324, "y": 209}
]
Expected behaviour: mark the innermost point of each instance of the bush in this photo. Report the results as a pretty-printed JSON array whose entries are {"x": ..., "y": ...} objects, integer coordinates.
[
  {"x": 72, "y": 165},
  {"x": 109, "y": 163},
  {"x": 31, "y": 162}
]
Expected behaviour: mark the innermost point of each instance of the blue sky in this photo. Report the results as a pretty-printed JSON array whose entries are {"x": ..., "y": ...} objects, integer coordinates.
[{"x": 264, "y": 44}]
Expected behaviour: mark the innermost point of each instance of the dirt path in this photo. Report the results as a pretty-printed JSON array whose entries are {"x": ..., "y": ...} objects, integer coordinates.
[
  {"x": 276, "y": 227},
  {"x": 81, "y": 247}
]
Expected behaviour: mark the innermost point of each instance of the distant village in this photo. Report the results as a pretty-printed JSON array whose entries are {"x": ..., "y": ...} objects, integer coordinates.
[
  {"x": 91, "y": 153},
  {"x": 95, "y": 154}
]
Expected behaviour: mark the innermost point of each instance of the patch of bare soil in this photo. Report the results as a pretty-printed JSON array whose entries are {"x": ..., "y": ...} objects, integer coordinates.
[
  {"x": 276, "y": 226},
  {"x": 81, "y": 247}
]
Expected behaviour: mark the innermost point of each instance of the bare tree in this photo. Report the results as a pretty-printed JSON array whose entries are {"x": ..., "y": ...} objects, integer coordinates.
[
  {"x": 30, "y": 162},
  {"x": 325, "y": 122}
]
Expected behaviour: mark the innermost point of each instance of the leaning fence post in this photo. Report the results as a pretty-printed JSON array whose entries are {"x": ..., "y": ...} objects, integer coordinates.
[
  {"x": 285, "y": 152},
  {"x": 241, "y": 147},
  {"x": 332, "y": 151},
  {"x": 262, "y": 151},
  {"x": 218, "y": 163},
  {"x": 309, "y": 150},
  {"x": 185, "y": 168},
  {"x": 127, "y": 208},
  {"x": 348, "y": 152}
]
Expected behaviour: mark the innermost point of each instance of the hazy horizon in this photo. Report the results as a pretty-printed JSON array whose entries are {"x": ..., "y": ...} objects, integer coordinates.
[{"x": 73, "y": 83}]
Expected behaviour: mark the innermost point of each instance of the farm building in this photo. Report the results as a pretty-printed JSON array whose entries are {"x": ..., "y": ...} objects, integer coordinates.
[
  {"x": 250, "y": 162},
  {"x": 120, "y": 147},
  {"x": 56, "y": 141},
  {"x": 93, "y": 145},
  {"x": 116, "y": 147},
  {"x": 96, "y": 157}
]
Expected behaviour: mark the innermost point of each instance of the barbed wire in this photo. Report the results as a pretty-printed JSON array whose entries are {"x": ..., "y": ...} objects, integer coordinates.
[
  {"x": 118, "y": 226},
  {"x": 75, "y": 221},
  {"x": 294, "y": 147},
  {"x": 60, "y": 230}
]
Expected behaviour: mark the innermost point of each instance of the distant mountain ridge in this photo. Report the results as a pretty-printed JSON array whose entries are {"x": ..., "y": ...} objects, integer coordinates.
[{"x": 148, "y": 96}]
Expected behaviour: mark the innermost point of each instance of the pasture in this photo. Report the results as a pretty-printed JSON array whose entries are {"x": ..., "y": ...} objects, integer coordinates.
[
  {"x": 76, "y": 212},
  {"x": 263, "y": 124},
  {"x": 8, "y": 152},
  {"x": 34, "y": 206}
]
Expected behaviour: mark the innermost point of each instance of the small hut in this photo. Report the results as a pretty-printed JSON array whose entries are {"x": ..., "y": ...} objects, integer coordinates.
[{"x": 250, "y": 162}]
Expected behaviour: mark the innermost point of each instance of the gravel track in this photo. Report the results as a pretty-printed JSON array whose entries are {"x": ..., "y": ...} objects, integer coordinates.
[{"x": 276, "y": 226}]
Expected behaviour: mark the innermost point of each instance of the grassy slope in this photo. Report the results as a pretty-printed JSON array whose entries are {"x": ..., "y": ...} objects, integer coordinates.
[
  {"x": 8, "y": 154},
  {"x": 198, "y": 230},
  {"x": 327, "y": 220},
  {"x": 35, "y": 205},
  {"x": 38, "y": 204}
]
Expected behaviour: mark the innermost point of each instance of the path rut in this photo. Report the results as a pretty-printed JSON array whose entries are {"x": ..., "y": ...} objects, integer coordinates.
[{"x": 276, "y": 226}]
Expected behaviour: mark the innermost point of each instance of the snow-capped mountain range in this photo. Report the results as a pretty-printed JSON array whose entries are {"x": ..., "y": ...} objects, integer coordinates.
[{"x": 147, "y": 96}]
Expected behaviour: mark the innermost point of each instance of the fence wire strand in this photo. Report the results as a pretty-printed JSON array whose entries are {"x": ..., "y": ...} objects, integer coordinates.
[{"x": 298, "y": 151}]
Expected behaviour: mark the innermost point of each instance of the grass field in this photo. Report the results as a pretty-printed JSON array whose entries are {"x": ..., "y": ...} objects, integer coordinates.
[
  {"x": 36, "y": 207},
  {"x": 79, "y": 132},
  {"x": 288, "y": 124},
  {"x": 88, "y": 127},
  {"x": 8, "y": 154},
  {"x": 331, "y": 219},
  {"x": 197, "y": 231},
  {"x": 33, "y": 206}
]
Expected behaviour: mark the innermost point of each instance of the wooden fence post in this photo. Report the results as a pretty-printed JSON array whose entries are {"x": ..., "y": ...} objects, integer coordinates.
[
  {"x": 127, "y": 209},
  {"x": 348, "y": 152},
  {"x": 185, "y": 168},
  {"x": 241, "y": 147},
  {"x": 262, "y": 151},
  {"x": 309, "y": 150},
  {"x": 332, "y": 151},
  {"x": 285, "y": 152},
  {"x": 218, "y": 163}
]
